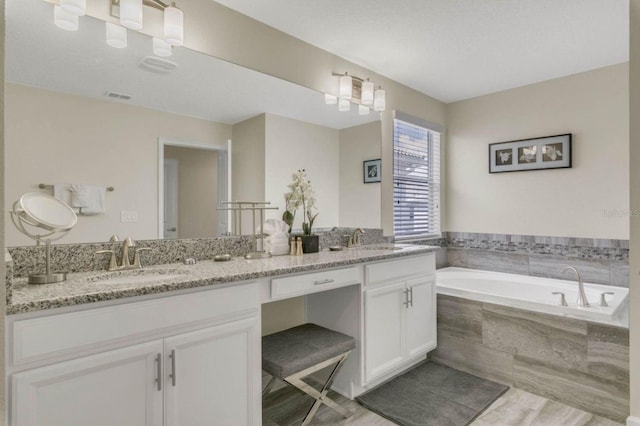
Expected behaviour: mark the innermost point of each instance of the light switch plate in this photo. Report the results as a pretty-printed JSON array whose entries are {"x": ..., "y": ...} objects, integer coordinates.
[{"x": 128, "y": 216}]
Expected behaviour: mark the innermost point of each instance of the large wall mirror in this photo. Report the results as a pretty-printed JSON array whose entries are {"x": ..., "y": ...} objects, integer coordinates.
[{"x": 173, "y": 138}]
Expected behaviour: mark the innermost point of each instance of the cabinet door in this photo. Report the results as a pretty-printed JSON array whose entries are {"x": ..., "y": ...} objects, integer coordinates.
[
  {"x": 212, "y": 376},
  {"x": 112, "y": 388},
  {"x": 421, "y": 316},
  {"x": 384, "y": 329}
]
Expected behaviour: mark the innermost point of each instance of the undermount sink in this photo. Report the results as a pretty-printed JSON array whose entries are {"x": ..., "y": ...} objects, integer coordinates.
[
  {"x": 137, "y": 276},
  {"x": 379, "y": 247}
]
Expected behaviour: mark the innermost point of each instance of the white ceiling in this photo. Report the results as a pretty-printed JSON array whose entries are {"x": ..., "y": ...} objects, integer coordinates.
[
  {"x": 457, "y": 49},
  {"x": 41, "y": 55}
]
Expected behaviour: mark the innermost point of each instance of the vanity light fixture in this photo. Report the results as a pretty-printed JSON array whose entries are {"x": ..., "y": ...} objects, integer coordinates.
[
  {"x": 131, "y": 14},
  {"x": 367, "y": 92},
  {"x": 344, "y": 105},
  {"x": 173, "y": 25},
  {"x": 161, "y": 47},
  {"x": 361, "y": 92},
  {"x": 65, "y": 20},
  {"x": 75, "y": 7},
  {"x": 346, "y": 87},
  {"x": 379, "y": 99},
  {"x": 116, "y": 36}
]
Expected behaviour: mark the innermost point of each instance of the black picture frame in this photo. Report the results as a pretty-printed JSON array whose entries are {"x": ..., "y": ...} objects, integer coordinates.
[
  {"x": 372, "y": 171},
  {"x": 542, "y": 153}
]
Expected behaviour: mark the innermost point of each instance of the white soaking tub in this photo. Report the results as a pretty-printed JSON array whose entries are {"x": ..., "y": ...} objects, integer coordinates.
[{"x": 535, "y": 294}]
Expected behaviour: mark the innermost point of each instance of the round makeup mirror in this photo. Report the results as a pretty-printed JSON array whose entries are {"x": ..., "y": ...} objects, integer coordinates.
[{"x": 35, "y": 211}]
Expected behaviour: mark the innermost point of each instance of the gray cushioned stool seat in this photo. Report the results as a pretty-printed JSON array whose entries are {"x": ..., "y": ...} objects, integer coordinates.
[{"x": 289, "y": 351}]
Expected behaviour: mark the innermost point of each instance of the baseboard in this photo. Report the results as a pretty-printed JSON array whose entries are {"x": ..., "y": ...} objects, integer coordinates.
[{"x": 633, "y": 421}]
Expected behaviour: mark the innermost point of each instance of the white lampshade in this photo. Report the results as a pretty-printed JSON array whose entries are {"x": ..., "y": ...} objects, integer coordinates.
[
  {"x": 330, "y": 99},
  {"x": 131, "y": 14},
  {"x": 367, "y": 93},
  {"x": 75, "y": 7},
  {"x": 116, "y": 36},
  {"x": 363, "y": 110},
  {"x": 173, "y": 26},
  {"x": 65, "y": 20},
  {"x": 344, "y": 105},
  {"x": 346, "y": 85},
  {"x": 161, "y": 47},
  {"x": 379, "y": 101}
]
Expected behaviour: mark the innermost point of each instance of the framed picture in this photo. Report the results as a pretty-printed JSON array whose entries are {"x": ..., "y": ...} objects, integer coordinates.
[
  {"x": 372, "y": 171},
  {"x": 549, "y": 152}
]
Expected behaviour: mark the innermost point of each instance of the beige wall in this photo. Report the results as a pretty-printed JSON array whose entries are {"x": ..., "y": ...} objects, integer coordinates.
[
  {"x": 292, "y": 145},
  {"x": 59, "y": 138},
  {"x": 359, "y": 201},
  {"x": 593, "y": 106},
  {"x": 197, "y": 191},
  {"x": 634, "y": 161}
]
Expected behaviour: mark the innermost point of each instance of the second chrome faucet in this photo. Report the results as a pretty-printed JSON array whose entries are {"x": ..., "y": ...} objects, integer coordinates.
[{"x": 125, "y": 263}]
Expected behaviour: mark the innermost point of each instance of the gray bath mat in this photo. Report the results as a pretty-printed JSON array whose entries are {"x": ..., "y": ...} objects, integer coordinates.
[{"x": 431, "y": 394}]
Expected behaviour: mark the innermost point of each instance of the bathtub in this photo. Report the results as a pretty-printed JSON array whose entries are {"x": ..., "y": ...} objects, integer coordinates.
[{"x": 534, "y": 294}]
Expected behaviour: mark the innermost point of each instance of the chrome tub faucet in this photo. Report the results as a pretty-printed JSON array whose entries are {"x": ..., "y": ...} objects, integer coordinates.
[{"x": 582, "y": 298}]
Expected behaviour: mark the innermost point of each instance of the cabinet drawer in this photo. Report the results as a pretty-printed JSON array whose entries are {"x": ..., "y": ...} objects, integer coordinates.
[
  {"x": 36, "y": 339},
  {"x": 382, "y": 272},
  {"x": 311, "y": 283}
]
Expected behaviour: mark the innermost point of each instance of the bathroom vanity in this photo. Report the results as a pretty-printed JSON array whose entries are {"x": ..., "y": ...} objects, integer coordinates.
[{"x": 180, "y": 345}]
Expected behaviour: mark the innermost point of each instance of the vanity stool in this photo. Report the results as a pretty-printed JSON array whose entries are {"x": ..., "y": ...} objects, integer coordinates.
[{"x": 293, "y": 354}]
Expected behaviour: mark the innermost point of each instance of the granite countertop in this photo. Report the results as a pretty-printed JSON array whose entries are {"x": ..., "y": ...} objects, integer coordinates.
[{"x": 96, "y": 286}]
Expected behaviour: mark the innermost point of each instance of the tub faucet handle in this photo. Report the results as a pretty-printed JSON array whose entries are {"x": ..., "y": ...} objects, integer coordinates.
[
  {"x": 563, "y": 300},
  {"x": 603, "y": 298}
]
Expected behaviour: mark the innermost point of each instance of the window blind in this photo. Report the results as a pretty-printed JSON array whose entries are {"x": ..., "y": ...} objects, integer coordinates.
[{"x": 416, "y": 179}]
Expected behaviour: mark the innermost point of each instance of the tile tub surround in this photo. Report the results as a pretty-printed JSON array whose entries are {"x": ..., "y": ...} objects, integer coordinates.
[
  {"x": 581, "y": 364},
  {"x": 600, "y": 261},
  {"x": 82, "y": 288}
]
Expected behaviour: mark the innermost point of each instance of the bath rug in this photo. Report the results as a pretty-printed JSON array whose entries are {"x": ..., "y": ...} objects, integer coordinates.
[{"x": 431, "y": 394}]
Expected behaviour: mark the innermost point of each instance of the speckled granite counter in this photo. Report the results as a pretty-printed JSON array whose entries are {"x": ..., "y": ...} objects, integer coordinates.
[{"x": 88, "y": 287}]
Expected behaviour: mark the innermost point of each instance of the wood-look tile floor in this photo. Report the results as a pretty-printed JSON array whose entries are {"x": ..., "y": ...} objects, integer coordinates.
[{"x": 287, "y": 406}]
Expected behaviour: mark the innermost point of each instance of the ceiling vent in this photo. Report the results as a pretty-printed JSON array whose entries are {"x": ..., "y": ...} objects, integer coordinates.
[
  {"x": 120, "y": 96},
  {"x": 157, "y": 65}
]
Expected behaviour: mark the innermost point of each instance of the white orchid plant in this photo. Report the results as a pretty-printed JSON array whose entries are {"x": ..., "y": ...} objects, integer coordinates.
[{"x": 300, "y": 195}]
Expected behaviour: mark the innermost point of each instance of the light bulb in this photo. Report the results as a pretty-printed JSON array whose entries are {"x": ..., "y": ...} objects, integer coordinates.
[
  {"x": 161, "y": 47},
  {"x": 379, "y": 100},
  {"x": 330, "y": 99},
  {"x": 131, "y": 14},
  {"x": 344, "y": 105},
  {"x": 346, "y": 85},
  {"x": 173, "y": 26},
  {"x": 116, "y": 36},
  {"x": 65, "y": 20},
  {"x": 367, "y": 93},
  {"x": 75, "y": 7},
  {"x": 363, "y": 110}
]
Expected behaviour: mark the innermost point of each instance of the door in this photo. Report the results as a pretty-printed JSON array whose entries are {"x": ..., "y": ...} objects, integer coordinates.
[
  {"x": 170, "y": 198},
  {"x": 384, "y": 329},
  {"x": 212, "y": 376},
  {"x": 118, "y": 387},
  {"x": 421, "y": 316}
]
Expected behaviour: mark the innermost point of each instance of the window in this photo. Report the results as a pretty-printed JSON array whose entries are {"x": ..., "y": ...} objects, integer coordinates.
[{"x": 416, "y": 178}]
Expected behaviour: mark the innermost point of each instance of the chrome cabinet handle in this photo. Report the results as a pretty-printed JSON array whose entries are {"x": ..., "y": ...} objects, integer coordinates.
[
  {"x": 411, "y": 296},
  {"x": 159, "y": 371},
  {"x": 173, "y": 367},
  {"x": 320, "y": 282},
  {"x": 406, "y": 298},
  {"x": 563, "y": 300},
  {"x": 603, "y": 298}
]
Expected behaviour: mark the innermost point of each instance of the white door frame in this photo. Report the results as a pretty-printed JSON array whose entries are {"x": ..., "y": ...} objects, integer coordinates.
[{"x": 162, "y": 142}]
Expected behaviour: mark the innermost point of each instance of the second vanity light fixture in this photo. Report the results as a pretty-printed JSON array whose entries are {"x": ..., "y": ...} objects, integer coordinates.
[
  {"x": 130, "y": 13},
  {"x": 359, "y": 91}
]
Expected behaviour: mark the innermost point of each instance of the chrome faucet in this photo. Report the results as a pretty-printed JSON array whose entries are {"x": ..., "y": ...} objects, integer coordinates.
[
  {"x": 354, "y": 240},
  {"x": 125, "y": 263},
  {"x": 582, "y": 298}
]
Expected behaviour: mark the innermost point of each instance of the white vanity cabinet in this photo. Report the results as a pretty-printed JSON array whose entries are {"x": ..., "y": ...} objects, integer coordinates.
[
  {"x": 399, "y": 314},
  {"x": 191, "y": 359}
]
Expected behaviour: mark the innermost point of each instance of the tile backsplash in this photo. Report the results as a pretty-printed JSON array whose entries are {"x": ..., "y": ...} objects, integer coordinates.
[{"x": 601, "y": 261}]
